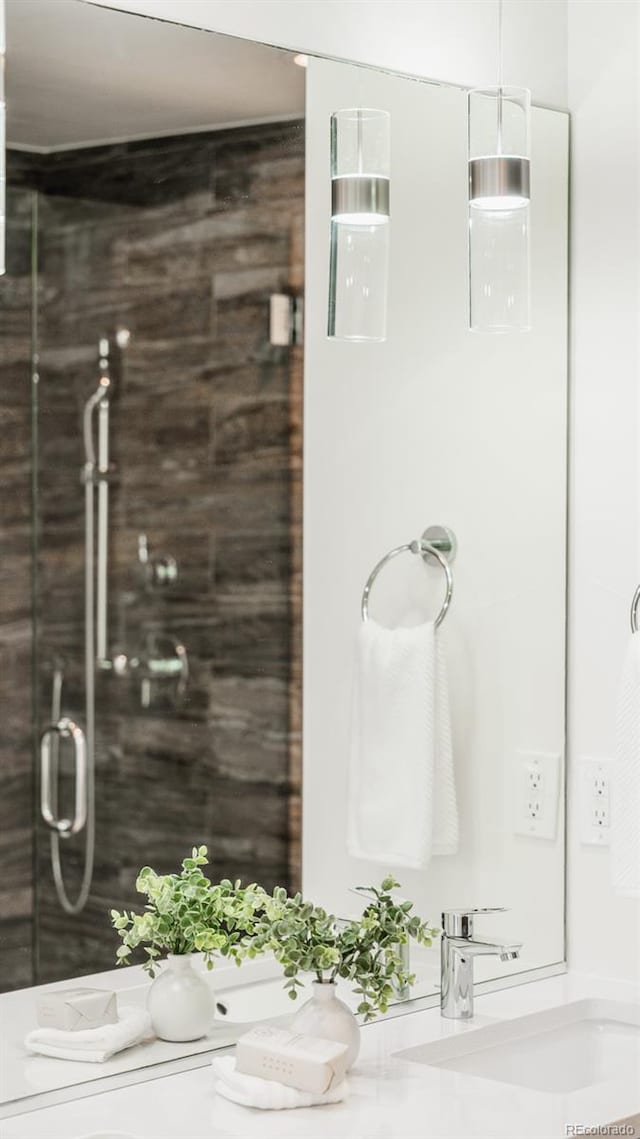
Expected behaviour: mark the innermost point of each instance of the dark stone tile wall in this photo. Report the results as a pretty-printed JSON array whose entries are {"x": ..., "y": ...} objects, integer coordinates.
[
  {"x": 16, "y": 784},
  {"x": 181, "y": 241}
]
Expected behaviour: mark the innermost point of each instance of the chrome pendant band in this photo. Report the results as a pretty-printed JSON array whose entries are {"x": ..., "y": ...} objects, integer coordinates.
[
  {"x": 499, "y": 176},
  {"x": 360, "y": 194}
]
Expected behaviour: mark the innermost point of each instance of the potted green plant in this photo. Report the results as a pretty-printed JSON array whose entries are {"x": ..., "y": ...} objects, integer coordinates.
[
  {"x": 186, "y": 913},
  {"x": 366, "y": 951}
]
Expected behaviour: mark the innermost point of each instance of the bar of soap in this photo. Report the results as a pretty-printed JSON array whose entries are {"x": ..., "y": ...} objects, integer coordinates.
[
  {"x": 74, "y": 1010},
  {"x": 305, "y": 1062}
]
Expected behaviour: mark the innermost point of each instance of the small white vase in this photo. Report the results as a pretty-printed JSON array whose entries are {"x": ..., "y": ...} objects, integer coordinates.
[
  {"x": 180, "y": 1003},
  {"x": 327, "y": 1016}
]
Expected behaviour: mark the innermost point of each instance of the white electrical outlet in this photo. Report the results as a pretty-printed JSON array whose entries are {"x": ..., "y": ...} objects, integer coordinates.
[
  {"x": 536, "y": 792},
  {"x": 595, "y": 801}
]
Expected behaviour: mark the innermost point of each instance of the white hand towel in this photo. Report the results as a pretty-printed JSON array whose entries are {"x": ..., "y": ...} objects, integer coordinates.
[
  {"x": 268, "y": 1095},
  {"x": 625, "y": 784},
  {"x": 92, "y": 1045},
  {"x": 402, "y": 798}
]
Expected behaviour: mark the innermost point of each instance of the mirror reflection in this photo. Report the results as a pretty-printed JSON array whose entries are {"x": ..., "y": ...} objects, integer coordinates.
[
  {"x": 179, "y": 269},
  {"x": 166, "y": 466}
]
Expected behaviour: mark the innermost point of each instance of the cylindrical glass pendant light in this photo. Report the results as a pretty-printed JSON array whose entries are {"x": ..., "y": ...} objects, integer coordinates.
[
  {"x": 358, "y": 270},
  {"x": 499, "y": 193},
  {"x": 499, "y": 292}
]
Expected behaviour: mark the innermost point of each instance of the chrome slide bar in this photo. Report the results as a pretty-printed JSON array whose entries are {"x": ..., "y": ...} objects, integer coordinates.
[
  {"x": 94, "y": 475},
  {"x": 103, "y": 528}
]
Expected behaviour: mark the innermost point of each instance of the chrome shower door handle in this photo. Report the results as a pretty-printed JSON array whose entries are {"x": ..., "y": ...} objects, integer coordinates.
[{"x": 63, "y": 729}]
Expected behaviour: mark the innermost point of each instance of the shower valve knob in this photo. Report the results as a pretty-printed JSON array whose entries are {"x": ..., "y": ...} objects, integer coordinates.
[
  {"x": 159, "y": 570},
  {"x": 164, "y": 658},
  {"x": 164, "y": 571}
]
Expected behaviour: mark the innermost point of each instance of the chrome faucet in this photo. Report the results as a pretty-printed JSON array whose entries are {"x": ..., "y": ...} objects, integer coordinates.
[{"x": 458, "y": 948}]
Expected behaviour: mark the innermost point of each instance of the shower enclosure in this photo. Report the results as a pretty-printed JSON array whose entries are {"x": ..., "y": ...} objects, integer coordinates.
[{"x": 157, "y": 513}]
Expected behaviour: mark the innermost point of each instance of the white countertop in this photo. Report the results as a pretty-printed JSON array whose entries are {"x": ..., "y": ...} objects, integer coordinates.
[
  {"x": 252, "y": 993},
  {"x": 389, "y": 1098},
  {"x": 23, "y": 1075}
]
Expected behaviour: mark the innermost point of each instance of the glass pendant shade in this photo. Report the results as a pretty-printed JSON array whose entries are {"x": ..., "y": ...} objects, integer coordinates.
[
  {"x": 499, "y": 194},
  {"x": 358, "y": 271}
]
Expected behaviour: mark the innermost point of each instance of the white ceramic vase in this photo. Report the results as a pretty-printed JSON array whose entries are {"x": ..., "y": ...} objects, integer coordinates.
[
  {"x": 326, "y": 1016},
  {"x": 180, "y": 1002}
]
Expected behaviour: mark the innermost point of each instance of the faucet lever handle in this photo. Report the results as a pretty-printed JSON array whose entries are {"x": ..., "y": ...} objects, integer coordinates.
[{"x": 459, "y": 923}]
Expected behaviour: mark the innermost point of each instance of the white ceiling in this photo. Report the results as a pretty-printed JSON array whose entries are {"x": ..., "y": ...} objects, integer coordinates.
[{"x": 79, "y": 75}]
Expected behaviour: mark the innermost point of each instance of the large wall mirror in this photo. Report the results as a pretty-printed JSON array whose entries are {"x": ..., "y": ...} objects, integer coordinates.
[{"x": 173, "y": 522}]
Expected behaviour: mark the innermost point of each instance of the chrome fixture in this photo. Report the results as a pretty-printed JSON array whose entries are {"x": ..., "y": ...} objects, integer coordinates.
[
  {"x": 159, "y": 570},
  {"x": 285, "y": 320},
  {"x": 499, "y": 193},
  {"x": 164, "y": 659},
  {"x": 95, "y": 477},
  {"x": 634, "y": 611},
  {"x": 64, "y": 728},
  {"x": 438, "y": 544},
  {"x": 61, "y": 728},
  {"x": 458, "y": 948},
  {"x": 3, "y": 143},
  {"x": 360, "y": 199},
  {"x": 360, "y": 166},
  {"x": 499, "y": 181},
  {"x": 96, "y": 474}
]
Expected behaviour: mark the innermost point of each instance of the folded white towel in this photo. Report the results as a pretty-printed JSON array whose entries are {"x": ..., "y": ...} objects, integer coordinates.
[
  {"x": 92, "y": 1045},
  {"x": 268, "y": 1095},
  {"x": 625, "y": 784},
  {"x": 402, "y": 798}
]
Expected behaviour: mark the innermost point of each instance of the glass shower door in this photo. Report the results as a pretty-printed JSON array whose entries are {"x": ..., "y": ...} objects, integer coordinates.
[
  {"x": 171, "y": 492},
  {"x": 16, "y": 537}
]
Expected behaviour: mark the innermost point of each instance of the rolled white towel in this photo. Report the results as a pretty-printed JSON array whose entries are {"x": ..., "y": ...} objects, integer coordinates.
[
  {"x": 251, "y": 1091},
  {"x": 92, "y": 1045}
]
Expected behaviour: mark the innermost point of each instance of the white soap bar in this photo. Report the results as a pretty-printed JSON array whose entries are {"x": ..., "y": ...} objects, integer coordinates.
[
  {"x": 305, "y": 1062},
  {"x": 76, "y": 1009}
]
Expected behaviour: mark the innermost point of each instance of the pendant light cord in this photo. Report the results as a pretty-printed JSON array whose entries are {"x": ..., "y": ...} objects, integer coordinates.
[
  {"x": 500, "y": 43},
  {"x": 500, "y": 75}
]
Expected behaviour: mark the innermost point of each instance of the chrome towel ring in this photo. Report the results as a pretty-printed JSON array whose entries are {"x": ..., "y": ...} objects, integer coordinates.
[
  {"x": 435, "y": 543},
  {"x": 634, "y": 611}
]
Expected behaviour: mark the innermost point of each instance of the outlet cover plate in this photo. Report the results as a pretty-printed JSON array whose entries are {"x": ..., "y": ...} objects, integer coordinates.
[
  {"x": 536, "y": 794},
  {"x": 594, "y": 794}
]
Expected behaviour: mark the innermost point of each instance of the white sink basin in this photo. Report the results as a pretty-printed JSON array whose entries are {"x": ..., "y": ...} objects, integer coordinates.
[
  {"x": 267, "y": 999},
  {"x": 263, "y": 1000},
  {"x": 561, "y": 1050}
]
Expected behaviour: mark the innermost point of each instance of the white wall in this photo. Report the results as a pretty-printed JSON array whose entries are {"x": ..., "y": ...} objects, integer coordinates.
[
  {"x": 451, "y": 40},
  {"x": 604, "y": 932},
  {"x": 439, "y": 425}
]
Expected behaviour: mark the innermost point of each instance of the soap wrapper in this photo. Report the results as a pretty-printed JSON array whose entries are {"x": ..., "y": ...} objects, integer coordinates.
[
  {"x": 308, "y": 1063},
  {"x": 74, "y": 1010}
]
